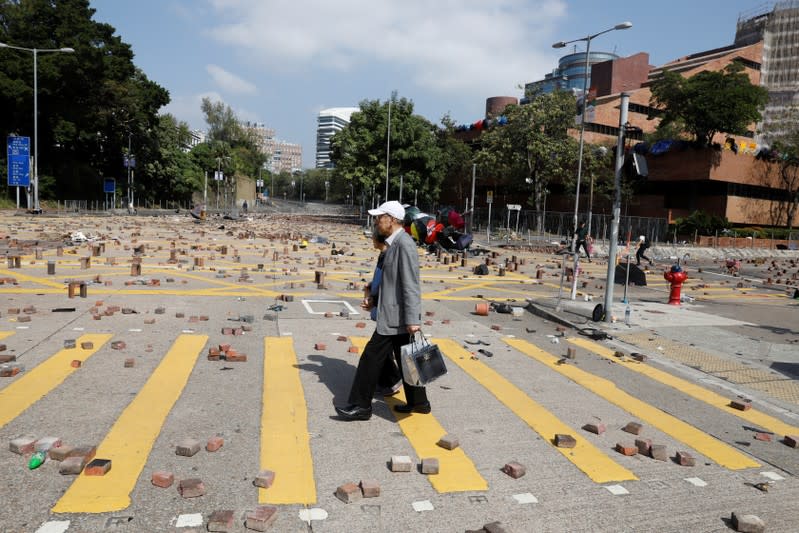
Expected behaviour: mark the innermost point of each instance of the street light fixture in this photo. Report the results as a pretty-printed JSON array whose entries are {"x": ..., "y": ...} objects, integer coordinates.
[
  {"x": 561, "y": 44},
  {"x": 35, "y": 52}
]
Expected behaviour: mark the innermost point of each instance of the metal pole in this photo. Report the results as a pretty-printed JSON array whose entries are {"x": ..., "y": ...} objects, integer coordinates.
[
  {"x": 35, "y": 131},
  {"x": 580, "y": 168},
  {"x": 205, "y": 191},
  {"x": 388, "y": 143},
  {"x": 401, "y": 183},
  {"x": 471, "y": 211},
  {"x": 614, "y": 227}
]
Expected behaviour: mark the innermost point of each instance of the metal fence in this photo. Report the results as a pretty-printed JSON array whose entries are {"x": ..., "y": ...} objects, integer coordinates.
[{"x": 561, "y": 225}]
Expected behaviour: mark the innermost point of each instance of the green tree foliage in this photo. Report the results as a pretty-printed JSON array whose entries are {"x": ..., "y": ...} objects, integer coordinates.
[
  {"x": 359, "y": 150},
  {"x": 709, "y": 102},
  {"x": 179, "y": 175},
  {"x": 91, "y": 102},
  {"x": 786, "y": 159},
  {"x": 701, "y": 223},
  {"x": 534, "y": 147},
  {"x": 457, "y": 160}
]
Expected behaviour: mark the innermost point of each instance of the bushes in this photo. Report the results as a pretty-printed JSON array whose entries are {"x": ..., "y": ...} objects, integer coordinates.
[{"x": 701, "y": 223}]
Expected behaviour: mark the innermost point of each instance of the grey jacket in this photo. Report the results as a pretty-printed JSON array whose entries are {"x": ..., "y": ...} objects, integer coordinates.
[{"x": 400, "y": 302}]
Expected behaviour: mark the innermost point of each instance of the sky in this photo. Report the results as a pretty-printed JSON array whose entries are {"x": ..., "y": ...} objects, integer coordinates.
[{"x": 279, "y": 62}]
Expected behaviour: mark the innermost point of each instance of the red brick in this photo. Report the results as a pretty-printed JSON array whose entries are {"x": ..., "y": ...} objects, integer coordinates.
[
  {"x": 261, "y": 519},
  {"x": 597, "y": 429},
  {"x": 76, "y": 363},
  {"x": 791, "y": 440},
  {"x": 765, "y": 437},
  {"x": 370, "y": 488},
  {"x": 342, "y": 338},
  {"x": 224, "y": 348},
  {"x": 97, "y": 467},
  {"x": 118, "y": 345},
  {"x": 191, "y": 488},
  {"x": 23, "y": 445},
  {"x": 87, "y": 452},
  {"x": 163, "y": 479},
  {"x": 46, "y": 443},
  {"x": 741, "y": 406},
  {"x": 644, "y": 446},
  {"x": 236, "y": 357},
  {"x": 7, "y": 358},
  {"x": 349, "y": 492},
  {"x": 685, "y": 459},
  {"x": 71, "y": 466},
  {"x": 514, "y": 470},
  {"x": 214, "y": 443},
  {"x": 264, "y": 479},
  {"x": 565, "y": 441},
  {"x": 353, "y": 349},
  {"x": 221, "y": 521},
  {"x": 60, "y": 453},
  {"x": 320, "y": 346},
  {"x": 496, "y": 327},
  {"x": 87, "y": 345},
  {"x": 626, "y": 449},
  {"x": 130, "y": 362},
  {"x": 633, "y": 427},
  {"x": 360, "y": 325}
]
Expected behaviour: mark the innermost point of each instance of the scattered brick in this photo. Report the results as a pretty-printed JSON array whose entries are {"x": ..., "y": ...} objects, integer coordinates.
[
  {"x": 214, "y": 443},
  {"x": 162, "y": 479},
  {"x": 118, "y": 345},
  {"x": 741, "y": 406},
  {"x": 626, "y": 449},
  {"x": 360, "y": 325},
  {"x": 191, "y": 488},
  {"x": 514, "y": 470},
  {"x": 86, "y": 452},
  {"x": 214, "y": 354},
  {"x": 765, "y": 437},
  {"x": 7, "y": 358},
  {"x": 747, "y": 523},
  {"x": 44, "y": 444},
  {"x": 370, "y": 488},
  {"x": 23, "y": 445},
  {"x": 448, "y": 442},
  {"x": 188, "y": 447},
  {"x": 24, "y": 319},
  {"x": 180, "y": 315},
  {"x": 221, "y": 521},
  {"x": 320, "y": 346},
  {"x": 235, "y": 357},
  {"x": 638, "y": 357},
  {"x": 130, "y": 362},
  {"x": 349, "y": 492},
  {"x": 401, "y": 463},
  {"x": 353, "y": 349},
  {"x": 685, "y": 459},
  {"x": 633, "y": 428},
  {"x": 430, "y": 465},
  {"x": 76, "y": 363},
  {"x": 88, "y": 345},
  {"x": 791, "y": 440},
  {"x": 71, "y": 466},
  {"x": 98, "y": 467},
  {"x": 160, "y": 310},
  {"x": 261, "y": 519},
  {"x": 597, "y": 429},
  {"x": 59, "y": 453},
  {"x": 494, "y": 527},
  {"x": 565, "y": 441},
  {"x": 149, "y": 321},
  {"x": 342, "y": 338},
  {"x": 496, "y": 327},
  {"x": 644, "y": 446},
  {"x": 264, "y": 479},
  {"x": 69, "y": 344},
  {"x": 571, "y": 353}
]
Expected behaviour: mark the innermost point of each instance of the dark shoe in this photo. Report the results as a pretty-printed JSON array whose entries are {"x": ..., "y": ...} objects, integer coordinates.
[
  {"x": 354, "y": 412},
  {"x": 390, "y": 391},
  {"x": 423, "y": 408},
  {"x": 485, "y": 352}
]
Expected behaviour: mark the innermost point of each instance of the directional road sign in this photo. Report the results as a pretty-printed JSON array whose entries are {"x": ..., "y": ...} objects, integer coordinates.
[{"x": 19, "y": 161}]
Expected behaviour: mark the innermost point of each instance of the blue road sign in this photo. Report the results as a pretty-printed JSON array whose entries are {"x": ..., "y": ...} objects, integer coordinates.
[
  {"x": 19, "y": 161},
  {"x": 109, "y": 185}
]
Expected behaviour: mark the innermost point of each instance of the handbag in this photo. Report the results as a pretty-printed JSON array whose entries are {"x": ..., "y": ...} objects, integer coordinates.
[{"x": 422, "y": 362}]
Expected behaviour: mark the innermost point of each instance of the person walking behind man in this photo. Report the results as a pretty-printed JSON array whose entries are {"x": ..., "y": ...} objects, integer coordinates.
[
  {"x": 581, "y": 235},
  {"x": 399, "y": 315}
]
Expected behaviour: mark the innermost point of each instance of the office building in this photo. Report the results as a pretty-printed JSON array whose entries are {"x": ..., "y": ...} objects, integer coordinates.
[{"x": 329, "y": 122}]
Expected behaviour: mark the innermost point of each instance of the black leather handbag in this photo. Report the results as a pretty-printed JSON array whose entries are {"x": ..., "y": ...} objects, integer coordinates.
[{"x": 422, "y": 362}]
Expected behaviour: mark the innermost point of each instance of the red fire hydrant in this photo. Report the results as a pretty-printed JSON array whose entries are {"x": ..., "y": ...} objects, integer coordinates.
[{"x": 676, "y": 276}]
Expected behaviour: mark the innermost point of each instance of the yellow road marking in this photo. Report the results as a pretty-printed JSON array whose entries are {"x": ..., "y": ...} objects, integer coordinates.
[
  {"x": 585, "y": 456},
  {"x": 457, "y": 473},
  {"x": 702, "y": 394},
  {"x": 32, "y": 385},
  {"x": 285, "y": 441},
  {"x": 708, "y": 446},
  {"x": 131, "y": 438},
  {"x": 5, "y": 334},
  {"x": 19, "y": 276}
]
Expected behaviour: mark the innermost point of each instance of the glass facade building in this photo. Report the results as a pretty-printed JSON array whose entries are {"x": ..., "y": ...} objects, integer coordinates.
[
  {"x": 570, "y": 73},
  {"x": 328, "y": 123}
]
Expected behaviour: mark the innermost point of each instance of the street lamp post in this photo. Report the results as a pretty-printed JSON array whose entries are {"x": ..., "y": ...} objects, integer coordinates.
[
  {"x": 561, "y": 44},
  {"x": 35, "y": 52}
]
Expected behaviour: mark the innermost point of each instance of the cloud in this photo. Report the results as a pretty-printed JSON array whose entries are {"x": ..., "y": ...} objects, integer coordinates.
[
  {"x": 469, "y": 47},
  {"x": 229, "y": 82}
]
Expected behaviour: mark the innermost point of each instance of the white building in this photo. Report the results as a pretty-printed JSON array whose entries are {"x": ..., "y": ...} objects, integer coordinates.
[{"x": 329, "y": 122}]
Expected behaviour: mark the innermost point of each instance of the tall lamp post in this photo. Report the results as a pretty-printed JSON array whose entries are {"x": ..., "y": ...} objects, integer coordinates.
[
  {"x": 586, "y": 73},
  {"x": 36, "y": 52}
]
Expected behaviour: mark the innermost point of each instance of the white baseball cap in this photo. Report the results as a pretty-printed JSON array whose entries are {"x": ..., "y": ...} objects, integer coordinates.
[
  {"x": 392, "y": 208},
  {"x": 641, "y": 238}
]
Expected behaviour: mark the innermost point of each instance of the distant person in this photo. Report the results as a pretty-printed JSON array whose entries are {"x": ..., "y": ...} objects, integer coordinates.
[
  {"x": 581, "y": 237},
  {"x": 244, "y": 206},
  {"x": 643, "y": 245}
]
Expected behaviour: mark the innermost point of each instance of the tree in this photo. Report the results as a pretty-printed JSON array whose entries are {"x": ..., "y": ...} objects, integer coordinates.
[
  {"x": 359, "y": 150},
  {"x": 179, "y": 175},
  {"x": 785, "y": 175},
  {"x": 534, "y": 147},
  {"x": 457, "y": 160},
  {"x": 709, "y": 102}
]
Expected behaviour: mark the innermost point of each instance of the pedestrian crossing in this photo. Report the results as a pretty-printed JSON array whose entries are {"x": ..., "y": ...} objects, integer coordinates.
[{"x": 285, "y": 427}]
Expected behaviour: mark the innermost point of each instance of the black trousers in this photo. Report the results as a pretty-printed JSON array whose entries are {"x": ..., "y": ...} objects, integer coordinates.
[
  {"x": 375, "y": 365},
  {"x": 584, "y": 245},
  {"x": 639, "y": 254}
]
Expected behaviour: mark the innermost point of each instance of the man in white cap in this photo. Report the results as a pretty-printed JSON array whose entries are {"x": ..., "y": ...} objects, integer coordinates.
[
  {"x": 399, "y": 315},
  {"x": 643, "y": 244}
]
